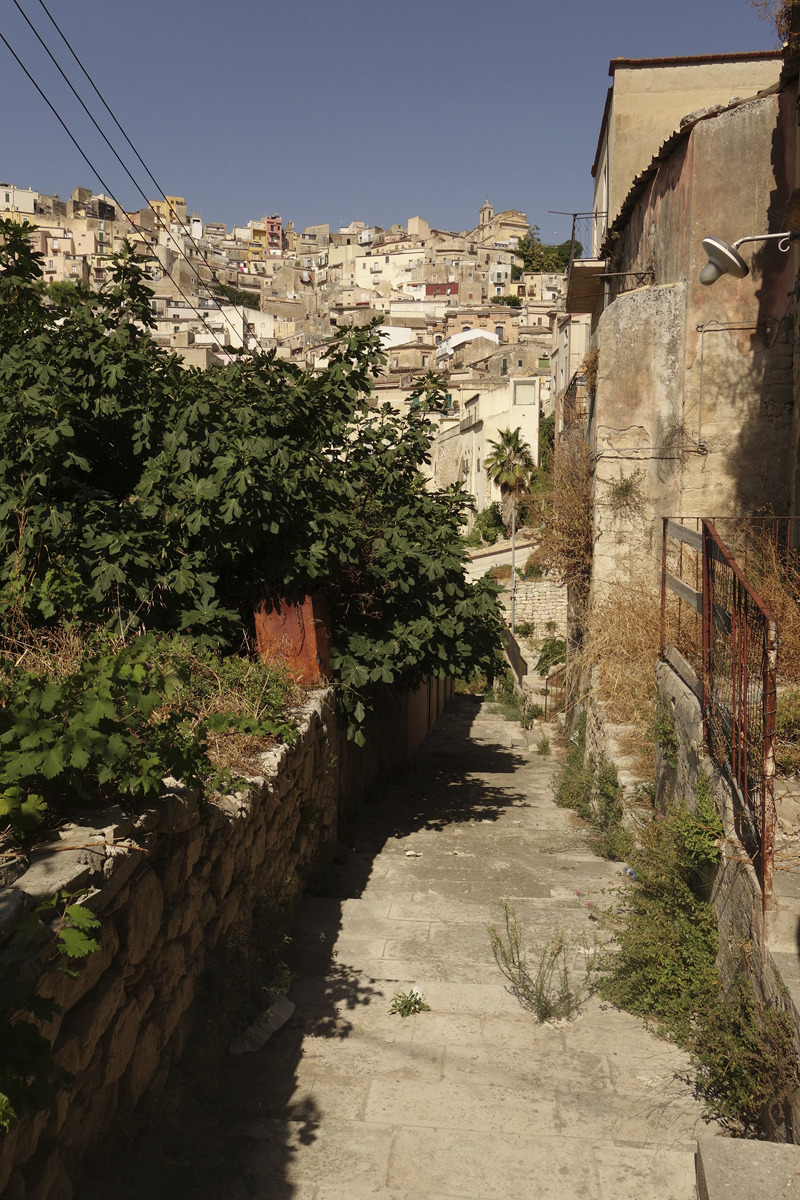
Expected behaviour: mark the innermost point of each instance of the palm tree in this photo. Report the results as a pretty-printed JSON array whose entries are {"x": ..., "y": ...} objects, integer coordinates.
[{"x": 510, "y": 465}]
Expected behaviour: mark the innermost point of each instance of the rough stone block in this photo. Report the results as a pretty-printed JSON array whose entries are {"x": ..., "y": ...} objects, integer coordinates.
[
  {"x": 67, "y": 991},
  {"x": 85, "y": 1024},
  {"x": 53, "y": 870},
  {"x": 122, "y": 1038},
  {"x": 220, "y": 879},
  {"x": 179, "y": 810},
  {"x": 143, "y": 1064},
  {"x": 13, "y": 903},
  {"x": 734, "y": 1169},
  {"x": 15, "y": 1188},
  {"x": 140, "y": 919},
  {"x": 168, "y": 969}
]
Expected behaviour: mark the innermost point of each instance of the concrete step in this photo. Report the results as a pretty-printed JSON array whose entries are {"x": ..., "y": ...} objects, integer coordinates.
[{"x": 733, "y": 1169}]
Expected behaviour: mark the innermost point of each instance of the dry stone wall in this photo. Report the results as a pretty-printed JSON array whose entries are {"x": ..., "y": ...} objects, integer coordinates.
[
  {"x": 167, "y": 885},
  {"x": 539, "y": 601}
]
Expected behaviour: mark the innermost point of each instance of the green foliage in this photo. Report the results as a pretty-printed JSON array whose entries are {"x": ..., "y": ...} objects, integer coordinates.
[
  {"x": 407, "y": 1004},
  {"x": 553, "y": 651},
  {"x": 595, "y": 795},
  {"x": 698, "y": 833},
  {"x": 531, "y": 570},
  {"x": 510, "y": 462},
  {"x": 137, "y": 495},
  {"x": 510, "y": 301},
  {"x": 28, "y": 1077},
  {"x": 543, "y": 746},
  {"x": 665, "y": 734},
  {"x": 539, "y": 257},
  {"x": 663, "y": 968},
  {"x": 626, "y": 495},
  {"x": 489, "y": 524},
  {"x": 573, "y": 783},
  {"x": 787, "y": 732},
  {"x": 124, "y": 717},
  {"x": 551, "y": 993},
  {"x": 243, "y": 299},
  {"x": 525, "y": 628},
  {"x": 610, "y": 838}
]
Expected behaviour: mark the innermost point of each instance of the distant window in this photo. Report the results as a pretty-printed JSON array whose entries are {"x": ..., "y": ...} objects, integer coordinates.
[
  {"x": 8, "y": 197},
  {"x": 504, "y": 367},
  {"x": 470, "y": 295},
  {"x": 448, "y": 400},
  {"x": 176, "y": 328},
  {"x": 394, "y": 362},
  {"x": 386, "y": 259},
  {"x": 425, "y": 360},
  {"x": 438, "y": 339},
  {"x": 498, "y": 291},
  {"x": 420, "y": 338},
  {"x": 499, "y": 331}
]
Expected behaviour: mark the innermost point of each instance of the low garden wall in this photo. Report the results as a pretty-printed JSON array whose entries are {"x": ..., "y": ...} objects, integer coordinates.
[{"x": 167, "y": 884}]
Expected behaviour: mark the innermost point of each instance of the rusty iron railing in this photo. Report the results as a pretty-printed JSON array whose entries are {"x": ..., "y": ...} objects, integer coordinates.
[
  {"x": 555, "y": 693},
  {"x": 736, "y": 669}
]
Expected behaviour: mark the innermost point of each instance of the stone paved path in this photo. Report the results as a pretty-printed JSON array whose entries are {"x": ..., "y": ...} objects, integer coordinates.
[{"x": 472, "y": 1099}]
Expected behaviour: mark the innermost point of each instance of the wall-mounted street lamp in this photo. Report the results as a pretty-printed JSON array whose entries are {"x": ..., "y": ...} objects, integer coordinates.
[{"x": 726, "y": 260}]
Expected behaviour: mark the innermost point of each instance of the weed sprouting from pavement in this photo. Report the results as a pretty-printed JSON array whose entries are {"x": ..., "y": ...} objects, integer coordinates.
[{"x": 563, "y": 978}]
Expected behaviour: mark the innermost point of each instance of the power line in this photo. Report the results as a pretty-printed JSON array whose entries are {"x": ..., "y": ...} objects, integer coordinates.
[
  {"x": 112, "y": 148},
  {"x": 90, "y": 164},
  {"x": 111, "y": 113},
  {"x": 103, "y": 183}
]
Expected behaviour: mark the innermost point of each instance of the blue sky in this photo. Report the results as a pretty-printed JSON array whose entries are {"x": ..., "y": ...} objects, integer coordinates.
[{"x": 355, "y": 109}]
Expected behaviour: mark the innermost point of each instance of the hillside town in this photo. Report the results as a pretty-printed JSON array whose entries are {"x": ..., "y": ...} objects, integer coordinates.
[
  {"x": 413, "y": 787},
  {"x": 460, "y": 304}
]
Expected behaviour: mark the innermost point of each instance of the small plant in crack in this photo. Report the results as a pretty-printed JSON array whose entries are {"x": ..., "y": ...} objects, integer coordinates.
[
  {"x": 563, "y": 978},
  {"x": 406, "y": 1004}
]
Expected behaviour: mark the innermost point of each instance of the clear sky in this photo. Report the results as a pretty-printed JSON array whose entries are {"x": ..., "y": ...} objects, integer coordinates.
[{"x": 335, "y": 110}]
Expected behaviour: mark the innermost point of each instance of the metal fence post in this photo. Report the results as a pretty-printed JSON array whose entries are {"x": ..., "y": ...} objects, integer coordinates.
[{"x": 768, "y": 790}]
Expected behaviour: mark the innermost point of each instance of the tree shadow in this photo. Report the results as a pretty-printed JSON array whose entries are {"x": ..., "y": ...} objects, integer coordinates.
[{"x": 440, "y": 786}]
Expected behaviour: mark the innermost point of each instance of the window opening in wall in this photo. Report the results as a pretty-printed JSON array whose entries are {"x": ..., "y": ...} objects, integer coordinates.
[{"x": 504, "y": 367}]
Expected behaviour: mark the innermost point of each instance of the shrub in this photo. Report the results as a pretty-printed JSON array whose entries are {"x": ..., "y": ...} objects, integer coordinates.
[
  {"x": 562, "y": 980},
  {"x": 553, "y": 651},
  {"x": 663, "y": 968},
  {"x": 596, "y": 796},
  {"x": 489, "y": 524}
]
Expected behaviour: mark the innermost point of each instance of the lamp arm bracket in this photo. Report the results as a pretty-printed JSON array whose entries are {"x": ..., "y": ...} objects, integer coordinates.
[{"x": 783, "y": 244}]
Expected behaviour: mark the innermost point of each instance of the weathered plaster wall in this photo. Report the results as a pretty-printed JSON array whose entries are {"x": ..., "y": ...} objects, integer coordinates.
[
  {"x": 640, "y": 342},
  {"x": 707, "y": 424},
  {"x": 167, "y": 885},
  {"x": 649, "y": 102}
]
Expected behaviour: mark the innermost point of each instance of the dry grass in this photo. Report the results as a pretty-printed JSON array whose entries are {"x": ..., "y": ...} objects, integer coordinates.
[
  {"x": 622, "y": 646},
  {"x": 242, "y": 687},
  {"x": 566, "y": 533}
]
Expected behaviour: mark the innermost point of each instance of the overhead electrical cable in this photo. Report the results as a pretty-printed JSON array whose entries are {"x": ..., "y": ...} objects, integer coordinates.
[
  {"x": 103, "y": 183},
  {"x": 111, "y": 147},
  {"x": 113, "y": 116},
  {"x": 93, "y": 168}
]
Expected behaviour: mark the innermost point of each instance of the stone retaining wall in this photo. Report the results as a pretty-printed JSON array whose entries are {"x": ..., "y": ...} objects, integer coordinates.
[
  {"x": 538, "y": 601},
  {"x": 167, "y": 886}
]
